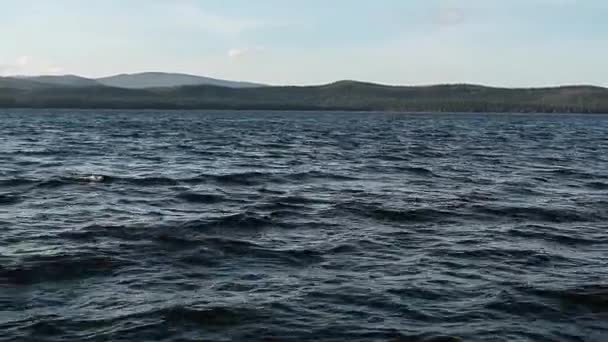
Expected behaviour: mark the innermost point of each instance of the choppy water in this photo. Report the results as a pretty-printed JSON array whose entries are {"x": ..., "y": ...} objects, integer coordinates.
[{"x": 179, "y": 226}]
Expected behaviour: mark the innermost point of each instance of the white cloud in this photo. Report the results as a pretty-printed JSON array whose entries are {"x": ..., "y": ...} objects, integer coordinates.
[
  {"x": 23, "y": 61},
  {"x": 54, "y": 70},
  {"x": 27, "y": 65},
  {"x": 15, "y": 67},
  {"x": 237, "y": 53}
]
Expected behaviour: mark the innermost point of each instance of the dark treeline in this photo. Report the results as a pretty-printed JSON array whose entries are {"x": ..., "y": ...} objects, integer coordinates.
[{"x": 344, "y": 95}]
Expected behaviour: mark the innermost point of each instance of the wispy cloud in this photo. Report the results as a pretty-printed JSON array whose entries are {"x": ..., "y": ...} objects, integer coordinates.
[
  {"x": 237, "y": 53},
  {"x": 27, "y": 65},
  {"x": 23, "y": 61},
  {"x": 17, "y": 66},
  {"x": 54, "y": 70}
]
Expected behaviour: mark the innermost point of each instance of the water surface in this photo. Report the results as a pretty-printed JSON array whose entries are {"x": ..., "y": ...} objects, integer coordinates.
[{"x": 245, "y": 226}]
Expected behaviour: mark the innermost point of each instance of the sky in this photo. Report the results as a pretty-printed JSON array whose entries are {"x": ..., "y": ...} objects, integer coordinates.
[{"x": 410, "y": 42}]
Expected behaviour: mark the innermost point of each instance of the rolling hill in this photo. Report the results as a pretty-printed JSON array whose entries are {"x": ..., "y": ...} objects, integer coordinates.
[
  {"x": 20, "y": 83},
  {"x": 343, "y": 95},
  {"x": 63, "y": 80}
]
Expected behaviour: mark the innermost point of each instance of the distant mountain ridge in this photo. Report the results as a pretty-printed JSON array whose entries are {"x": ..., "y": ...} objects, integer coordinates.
[
  {"x": 130, "y": 81},
  {"x": 167, "y": 80},
  {"x": 63, "y": 80},
  {"x": 20, "y": 83},
  {"x": 342, "y": 95}
]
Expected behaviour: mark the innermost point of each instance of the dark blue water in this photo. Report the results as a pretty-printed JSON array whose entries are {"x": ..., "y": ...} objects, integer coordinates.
[{"x": 247, "y": 226}]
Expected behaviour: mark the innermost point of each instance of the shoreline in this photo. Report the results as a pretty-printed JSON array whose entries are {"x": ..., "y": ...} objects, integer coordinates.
[{"x": 274, "y": 110}]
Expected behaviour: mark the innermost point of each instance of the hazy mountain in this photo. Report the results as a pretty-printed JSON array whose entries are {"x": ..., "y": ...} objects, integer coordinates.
[
  {"x": 130, "y": 81},
  {"x": 20, "y": 83},
  {"x": 344, "y": 95},
  {"x": 163, "y": 80},
  {"x": 64, "y": 80}
]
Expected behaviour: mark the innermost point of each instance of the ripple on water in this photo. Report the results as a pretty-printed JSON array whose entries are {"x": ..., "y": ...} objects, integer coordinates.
[{"x": 234, "y": 226}]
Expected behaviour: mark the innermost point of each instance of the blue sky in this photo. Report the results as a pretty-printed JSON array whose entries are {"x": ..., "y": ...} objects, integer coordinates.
[{"x": 503, "y": 43}]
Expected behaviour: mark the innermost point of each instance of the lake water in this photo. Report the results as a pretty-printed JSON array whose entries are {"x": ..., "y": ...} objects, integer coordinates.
[{"x": 288, "y": 226}]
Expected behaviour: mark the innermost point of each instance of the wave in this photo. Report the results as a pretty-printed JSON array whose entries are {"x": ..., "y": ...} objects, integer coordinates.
[
  {"x": 238, "y": 179},
  {"x": 597, "y": 185},
  {"x": 39, "y": 153},
  {"x": 522, "y": 256},
  {"x": 244, "y": 178},
  {"x": 241, "y": 220},
  {"x": 265, "y": 190},
  {"x": 344, "y": 248},
  {"x": 573, "y": 173},
  {"x": 56, "y": 182},
  {"x": 593, "y": 297},
  {"x": 215, "y": 316},
  {"x": 94, "y": 178},
  {"x": 103, "y": 179},
  {"x": 97, "y": 231},
  {"x": 413, "y": 215},
  {"x": 419, "y": 215},
  {"x": 300, "y": 200},
  {"x": 315, "y": 175},
  {"x": 16, "y": 182},
  {"x": 478, "y": 196},
  {"x": 298, "y": 204},
  {"x": 514, "y": 305},
  {"x": 7, "y": 199},
  {"x": 540, "y": 214},
  {"x": 420, "y": 171},
  {"x": 261, "y": 254},
  {"x": 259, "y": 178},
  {"x": 392, "y": 157},
  {"x": 400, "y": 337},
  {"x": 193, "y": 197},
  {"x": 553, "y": 234},
  {"x": 151, "y": 181},
  {"x": 276, "y": 207},
  {"x": 417, "y": 293},
  {"x": 59, "y": 267},
  {"x": 178, "y": 232}
]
